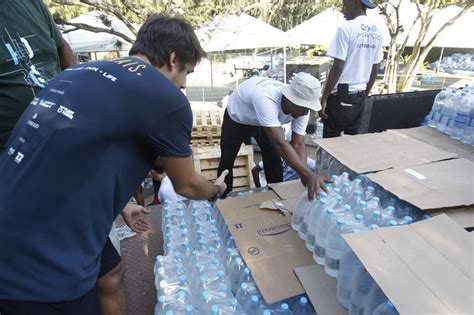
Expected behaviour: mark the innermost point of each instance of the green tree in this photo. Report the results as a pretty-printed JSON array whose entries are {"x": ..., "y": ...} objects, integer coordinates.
[{"x": 399, "y": 35}]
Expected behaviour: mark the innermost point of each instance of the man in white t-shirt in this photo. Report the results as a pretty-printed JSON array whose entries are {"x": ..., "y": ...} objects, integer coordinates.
[
  {"x": 258, "y": 108},
  {"x": 357, "y": 53}
]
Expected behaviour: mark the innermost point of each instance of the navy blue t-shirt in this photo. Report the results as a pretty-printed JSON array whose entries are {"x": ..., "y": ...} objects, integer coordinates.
[{"x": 74, "y": 159}]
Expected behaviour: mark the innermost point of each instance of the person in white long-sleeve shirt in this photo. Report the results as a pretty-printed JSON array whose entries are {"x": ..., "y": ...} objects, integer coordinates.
[{"x": 166, "y": 192}]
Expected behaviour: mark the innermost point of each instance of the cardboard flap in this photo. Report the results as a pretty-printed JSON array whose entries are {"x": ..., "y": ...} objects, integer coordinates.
[
  {"x": 436, "y": 185},
  {"x": 321, "y": 290},
  {"x": 464, "y": 216},
  {"x": 422, "y": 267},
  {"x": 288, "y": 190},
  {"x": 234, "y": 208},
  {"x": 380, "y": 151},
  {"x": 267, "y": 243},
  {"x": 440, "y": 140}
]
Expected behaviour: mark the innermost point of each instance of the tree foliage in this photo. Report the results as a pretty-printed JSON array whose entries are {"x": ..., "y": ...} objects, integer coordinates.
[
  {"x": 283, "y": 14},
  {"x": 399, "y": 35}
]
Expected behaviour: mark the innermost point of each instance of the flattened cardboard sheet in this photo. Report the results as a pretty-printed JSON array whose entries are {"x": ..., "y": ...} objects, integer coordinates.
[
  {"x": 464, "y": 216},
  {"x": 431, "y": 186},
  {"x": 288, "y": 190},
  {"x": 423, "y": 268},
  {"x": 321, "y": 290},
  {"x": 374, "y": 152},
  {"x": 440, "y": 140},
  {"x": 270, "y": 247}
]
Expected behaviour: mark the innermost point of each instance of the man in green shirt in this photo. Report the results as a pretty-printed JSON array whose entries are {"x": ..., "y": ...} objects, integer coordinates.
[{"x": 32, "y": 52}]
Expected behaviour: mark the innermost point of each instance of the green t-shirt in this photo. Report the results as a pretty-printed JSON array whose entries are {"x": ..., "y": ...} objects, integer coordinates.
[{"x": 29, "y": 42}]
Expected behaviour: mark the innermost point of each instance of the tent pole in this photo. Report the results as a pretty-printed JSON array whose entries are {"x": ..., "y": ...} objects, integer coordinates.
[
  {"x": 284, "y": 64},
  {"x": 439, "y": 61},
  {"x": 212, "y": 74}
]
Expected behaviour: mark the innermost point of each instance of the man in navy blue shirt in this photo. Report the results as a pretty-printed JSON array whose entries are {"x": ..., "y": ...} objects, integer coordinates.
[{"x": 78, "y": 152}]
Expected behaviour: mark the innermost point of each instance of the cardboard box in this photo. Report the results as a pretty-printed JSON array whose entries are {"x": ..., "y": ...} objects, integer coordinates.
[
  {"x": 374, "y": 152},
  {"x": 423, "y": 268},
  {"x": 435, "y": 185},
  {"x": 270, "y": 247}
]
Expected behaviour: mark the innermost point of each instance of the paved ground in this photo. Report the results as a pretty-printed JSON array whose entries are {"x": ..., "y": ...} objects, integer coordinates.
[{"x": 139, "y": 253}]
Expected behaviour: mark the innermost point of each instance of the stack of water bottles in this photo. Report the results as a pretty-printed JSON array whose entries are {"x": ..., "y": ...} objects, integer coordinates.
[
  {"x": 202, "y": 272},
  {"x": 348, "y": 207},
  {"x": 453, "y": 113}
]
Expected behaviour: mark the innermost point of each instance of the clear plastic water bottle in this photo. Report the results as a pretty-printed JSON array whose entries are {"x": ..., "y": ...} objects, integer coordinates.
[
  {"x": 334, "y": 247},
  {"x": 321, "y": 235},
  {"x": 438, "y": 104},
  {"x": 405, "y": 220},
  {"x": 448, "y": 113},
  {"x": 362, "y": 283},
  {"x": 253, "y": 306},
  {"x": 461, "y": 120},
  {"x": 386, "y": 308},
  {"x": 161, "y": 307},
  {"x": 244, "y": 294},
  {"x": 374, "y": 299},
  {"x": 233, "y": 307},
  {"x": 303, "y": 307},
  {"x": 245, "y": 277},
  {"x": 236, "y": 269},
  {"x": 313, "y": 221},
  {"x": 349, "y": 264},
  {"x": 369, "y": 193},
  {"x": 282, "y": 309},
  {"x": 300, "y": 210}
]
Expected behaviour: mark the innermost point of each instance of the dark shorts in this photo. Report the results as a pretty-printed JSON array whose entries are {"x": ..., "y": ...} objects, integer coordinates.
[
  {"x": 109, "y": 258},
  {"x": 86, "y": 304},
  {"x": 343, "y": 117}
]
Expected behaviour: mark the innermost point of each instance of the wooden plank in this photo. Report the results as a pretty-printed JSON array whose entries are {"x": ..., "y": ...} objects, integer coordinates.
[
  {"x": 212, "y": 174},
  {"x": 214, "y": 163}
]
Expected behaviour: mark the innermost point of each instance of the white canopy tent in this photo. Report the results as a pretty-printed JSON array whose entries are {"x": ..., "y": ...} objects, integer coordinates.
[
  {"x": 234, "y": 32},
  {"x": 238, "y": 32},
  {"x": 85, "y": 41},
  {"x": 321, "y": 28},
  {"x": 318, "y": 30}
]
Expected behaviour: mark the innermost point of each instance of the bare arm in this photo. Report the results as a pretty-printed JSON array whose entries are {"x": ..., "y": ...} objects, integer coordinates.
[
  {"x": 297, "y": 142},
  {"x": 187, "y": 182},
  {"x": 66, "y": 56},
  {"x": 373, "y": 75},
  {"x": 312, "y": 181},
  {"x": 333, "y": 77}
]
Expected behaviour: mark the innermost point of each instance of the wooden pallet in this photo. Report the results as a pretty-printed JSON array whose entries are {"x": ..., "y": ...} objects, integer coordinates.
[
  {"x": 206, "y": 127},
  {"x": 206, "y": 161}
]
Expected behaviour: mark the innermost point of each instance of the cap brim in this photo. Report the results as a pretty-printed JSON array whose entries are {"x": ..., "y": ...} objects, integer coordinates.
[
  {"x": 298, "y": 101},
  {"x": 368, "y": 4}
]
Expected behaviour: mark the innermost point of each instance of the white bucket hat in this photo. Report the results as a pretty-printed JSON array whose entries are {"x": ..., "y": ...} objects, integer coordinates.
[{"x": 303, "y": 90}]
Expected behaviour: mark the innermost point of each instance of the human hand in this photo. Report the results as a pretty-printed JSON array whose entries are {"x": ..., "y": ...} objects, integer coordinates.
[
  {"x": 134, "y": 216},
  {"x": 313, "y": 183},
  {"x": 220, "y": 181},
  {"x": 322, "y": 112}
]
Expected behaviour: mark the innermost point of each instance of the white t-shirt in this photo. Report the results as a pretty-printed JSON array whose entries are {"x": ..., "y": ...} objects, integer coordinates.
[
  {"x": 167, "y": 193},
  {"x": 359, "y": 43},
  {"x": 257, "y": 102}
]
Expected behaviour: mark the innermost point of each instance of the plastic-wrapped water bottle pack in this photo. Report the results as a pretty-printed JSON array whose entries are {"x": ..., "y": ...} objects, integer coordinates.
[
  {"x": 349, "y": 206},
  {"x": 202, "y": 272},
  {"x": 453, "y": 113}
]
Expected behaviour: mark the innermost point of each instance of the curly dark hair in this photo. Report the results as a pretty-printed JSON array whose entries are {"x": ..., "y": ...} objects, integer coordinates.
[{"x": 161, "y": 35}]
